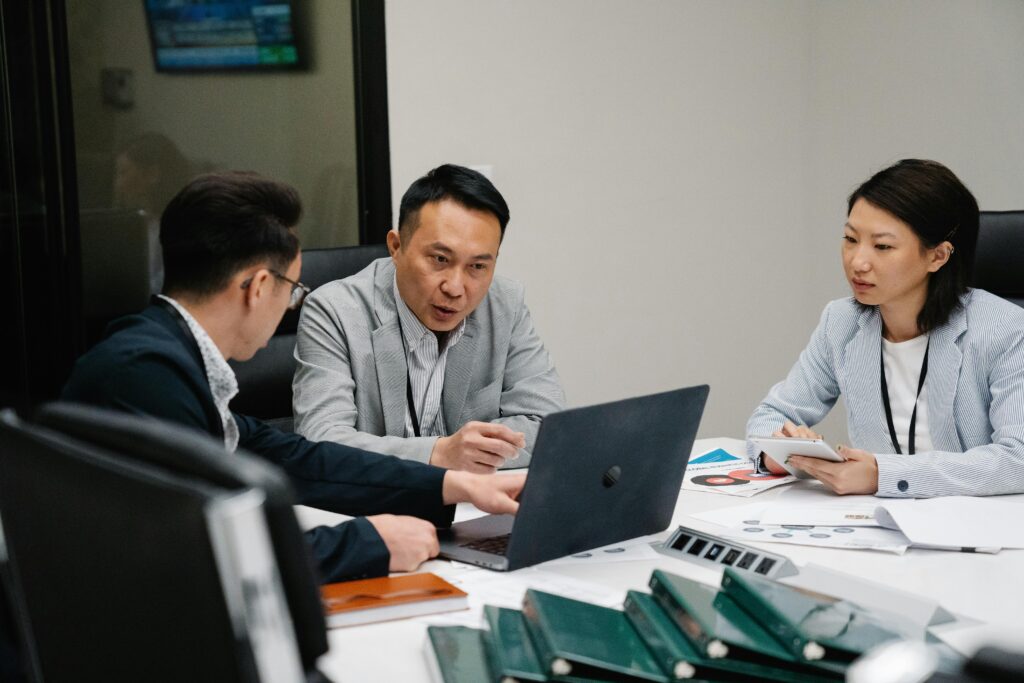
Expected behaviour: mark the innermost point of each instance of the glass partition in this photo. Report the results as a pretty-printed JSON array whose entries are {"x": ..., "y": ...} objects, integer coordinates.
[{"x": 165, "y": 89}]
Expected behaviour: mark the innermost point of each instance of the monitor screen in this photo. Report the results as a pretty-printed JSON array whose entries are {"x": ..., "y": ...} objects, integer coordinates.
[{"x": 219, "y": 35}]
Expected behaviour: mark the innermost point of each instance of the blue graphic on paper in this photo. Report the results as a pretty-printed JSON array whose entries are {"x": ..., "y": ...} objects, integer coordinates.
[{"x": 717, "y": 455}]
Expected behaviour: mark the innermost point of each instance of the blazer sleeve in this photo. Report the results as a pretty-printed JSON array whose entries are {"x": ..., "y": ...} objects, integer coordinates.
[
  {"x": 324, "y": 388},
  {"x": 993, "y": 469},
  {"x": 348, "y": 480},
  {"x": 351, "y": 550},
  {"x": 807, "y": 394},
  {"x": 530, "y": 388}
]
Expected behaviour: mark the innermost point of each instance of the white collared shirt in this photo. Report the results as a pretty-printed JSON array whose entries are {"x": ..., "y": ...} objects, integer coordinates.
[
  {"x": 426, "y": 363},
  {"x": 219, "y": 374}
]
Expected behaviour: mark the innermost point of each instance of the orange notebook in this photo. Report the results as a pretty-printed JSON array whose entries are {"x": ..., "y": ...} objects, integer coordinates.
[{"x": 392, "y": 597}]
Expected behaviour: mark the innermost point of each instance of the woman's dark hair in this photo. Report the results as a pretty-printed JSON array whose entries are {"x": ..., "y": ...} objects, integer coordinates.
[
  {"x": 462, "y": 185},
  {"x": 938, "y": 208},
  {"x": 220, "y": 223}
]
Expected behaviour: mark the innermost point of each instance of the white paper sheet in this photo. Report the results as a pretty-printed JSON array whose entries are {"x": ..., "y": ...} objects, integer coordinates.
[
  {"x": 812, "y": 503},
  {"x": 743, "y": 523},
  {"x": 634, "y": 550},
  {"x": 959, "y": 521},
  {"x": 849, "y": 537},
  {"x": 734, "y": 515},
  {"x": 506, "y": 589},
  {"x": 836, "y": 514}
]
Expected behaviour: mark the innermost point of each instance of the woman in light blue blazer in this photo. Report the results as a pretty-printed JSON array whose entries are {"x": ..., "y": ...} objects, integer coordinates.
[{"x": 932, "y": 371}]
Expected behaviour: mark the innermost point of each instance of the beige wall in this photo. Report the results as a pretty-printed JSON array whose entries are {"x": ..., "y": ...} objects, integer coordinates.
[
  {"x": 677, "y": 170},
  {"x": 295, "y": 126}
]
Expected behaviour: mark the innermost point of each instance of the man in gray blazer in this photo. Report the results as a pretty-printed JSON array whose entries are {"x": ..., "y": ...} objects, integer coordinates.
[{"x": 427, "y": 355}]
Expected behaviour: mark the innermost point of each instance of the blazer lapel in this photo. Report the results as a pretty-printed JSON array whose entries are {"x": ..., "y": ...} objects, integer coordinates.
[
  {"x": 944, "y": 360},
  {"x": 863, "y": 380},
  {"x": 458, "y": 372},
  {"x": 389, "y": 354}
]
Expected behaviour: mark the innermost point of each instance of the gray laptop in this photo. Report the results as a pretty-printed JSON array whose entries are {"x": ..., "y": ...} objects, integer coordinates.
[{"x": 599, "y": 475}]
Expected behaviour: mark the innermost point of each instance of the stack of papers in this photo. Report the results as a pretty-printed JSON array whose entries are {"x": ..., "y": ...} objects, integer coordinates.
[
  {"x": 720, "y": 471},
  {"x": 809, "y": 514}
]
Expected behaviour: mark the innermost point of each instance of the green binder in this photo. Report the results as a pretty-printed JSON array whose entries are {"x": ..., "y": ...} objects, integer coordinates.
[
  {"x": 681, "y": 660},
  {"x": 812, "y": 626},
  {"x": 456, "y": 654},
  {"x": 715, "y": 633},
  {"x": 578, "y": 639},
  {"x": 509, "y": 648}
]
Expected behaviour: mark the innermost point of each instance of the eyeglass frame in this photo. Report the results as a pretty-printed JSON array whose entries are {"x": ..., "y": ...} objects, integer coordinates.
[{"x": 298, "y": 294}]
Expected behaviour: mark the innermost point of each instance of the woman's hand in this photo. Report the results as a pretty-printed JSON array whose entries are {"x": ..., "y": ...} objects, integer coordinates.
[
  {"x": 793, "y": 431},
  {"x": 859, "y": 474}
]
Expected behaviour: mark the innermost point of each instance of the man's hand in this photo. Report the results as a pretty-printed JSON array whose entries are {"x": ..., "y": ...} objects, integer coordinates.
[
  {"x": 480, "y": 447},
  {"x": 859, "y": 474},
  {"x": 793, "y": 431},
  {"x": 410, "y": 540},
  {"x": 496, "y": 495}
]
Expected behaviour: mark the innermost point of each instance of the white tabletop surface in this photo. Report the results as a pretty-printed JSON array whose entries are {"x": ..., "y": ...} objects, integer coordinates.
[{"x": 986, "y": 588}]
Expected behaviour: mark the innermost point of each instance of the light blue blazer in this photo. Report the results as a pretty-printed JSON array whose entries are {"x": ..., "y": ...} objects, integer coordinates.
[{"x": 975, "y": 397}]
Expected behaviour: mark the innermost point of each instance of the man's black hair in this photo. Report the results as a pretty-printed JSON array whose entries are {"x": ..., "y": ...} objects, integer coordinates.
[
  {"x": 933, "y": 202},
  {"x": 221, "y": 223},
  {"x": 464, "y": 186}
]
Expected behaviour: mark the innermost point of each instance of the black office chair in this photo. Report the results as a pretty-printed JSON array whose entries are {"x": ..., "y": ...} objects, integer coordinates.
[
  {"x": 138, "y": 550},
  {"x": 999, "y": 261},
  {"x": 265, "y": 381}
]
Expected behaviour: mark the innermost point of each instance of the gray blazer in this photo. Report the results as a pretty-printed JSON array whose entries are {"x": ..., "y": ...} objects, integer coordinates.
[
  {"x": 975, "y": 397},
  {"x": 350, "y": 383}
]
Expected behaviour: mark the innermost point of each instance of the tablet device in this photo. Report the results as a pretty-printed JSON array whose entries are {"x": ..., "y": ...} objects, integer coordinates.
[{"x": 779, "y": 448}]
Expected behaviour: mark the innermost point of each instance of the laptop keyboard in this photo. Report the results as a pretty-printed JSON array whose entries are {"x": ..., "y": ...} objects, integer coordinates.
[{"x": 496, "y": 545}]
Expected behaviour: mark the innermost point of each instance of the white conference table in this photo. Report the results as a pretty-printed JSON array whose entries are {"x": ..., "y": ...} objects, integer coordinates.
[{"x": 988, "y": 589}]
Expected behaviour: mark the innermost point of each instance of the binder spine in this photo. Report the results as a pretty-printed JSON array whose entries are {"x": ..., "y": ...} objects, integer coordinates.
[
  {"x": 688, "y": 626},
  {"x": 509, "y": 647},
  {"x": 775, "y": 623},
  {"x": 556, "y": 665},
  {"x": 430, "y": 656},
  {"x": 652, "y": 632},
  {"x": 493, "y": 654}
]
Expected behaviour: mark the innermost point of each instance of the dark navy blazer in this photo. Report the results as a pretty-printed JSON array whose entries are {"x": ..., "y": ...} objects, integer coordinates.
[{"x": 149, "y": 364}]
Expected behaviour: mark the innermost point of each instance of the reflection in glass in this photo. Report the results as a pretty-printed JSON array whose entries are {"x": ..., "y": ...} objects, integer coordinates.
[{"x": 141, "y": 133}]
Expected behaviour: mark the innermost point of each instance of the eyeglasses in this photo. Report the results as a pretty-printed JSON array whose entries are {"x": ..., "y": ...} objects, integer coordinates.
[{"x": 299, "y": 290}]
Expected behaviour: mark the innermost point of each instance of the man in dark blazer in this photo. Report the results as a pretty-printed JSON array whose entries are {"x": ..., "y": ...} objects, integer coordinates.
[{"x": 231, "y": 264}]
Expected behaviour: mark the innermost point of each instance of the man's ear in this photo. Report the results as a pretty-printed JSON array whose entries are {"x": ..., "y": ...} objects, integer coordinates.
[
  {"x": 394, "y": 240},
  {"x": 260, "y": 282}
]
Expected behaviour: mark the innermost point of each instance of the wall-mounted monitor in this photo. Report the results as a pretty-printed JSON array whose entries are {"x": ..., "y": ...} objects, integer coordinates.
[{"x": 223, "y": 35}]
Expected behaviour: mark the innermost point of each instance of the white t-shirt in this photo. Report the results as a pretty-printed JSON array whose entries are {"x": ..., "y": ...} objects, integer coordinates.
[{"x": 902, "y": 362}]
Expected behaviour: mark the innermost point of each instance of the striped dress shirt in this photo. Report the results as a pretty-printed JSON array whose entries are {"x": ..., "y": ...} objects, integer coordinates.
[
  {"x": 975, "y": 397},
  {"x": 425, "y": 359}
]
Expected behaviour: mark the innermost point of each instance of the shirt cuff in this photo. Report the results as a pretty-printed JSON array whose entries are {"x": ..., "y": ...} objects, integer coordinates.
[{"x": 896, "y": 476}]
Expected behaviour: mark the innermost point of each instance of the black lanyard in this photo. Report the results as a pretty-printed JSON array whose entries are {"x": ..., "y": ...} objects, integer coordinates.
[
  {"x": 913, "y": 415},
  {"x": 410, "y": 404}
]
